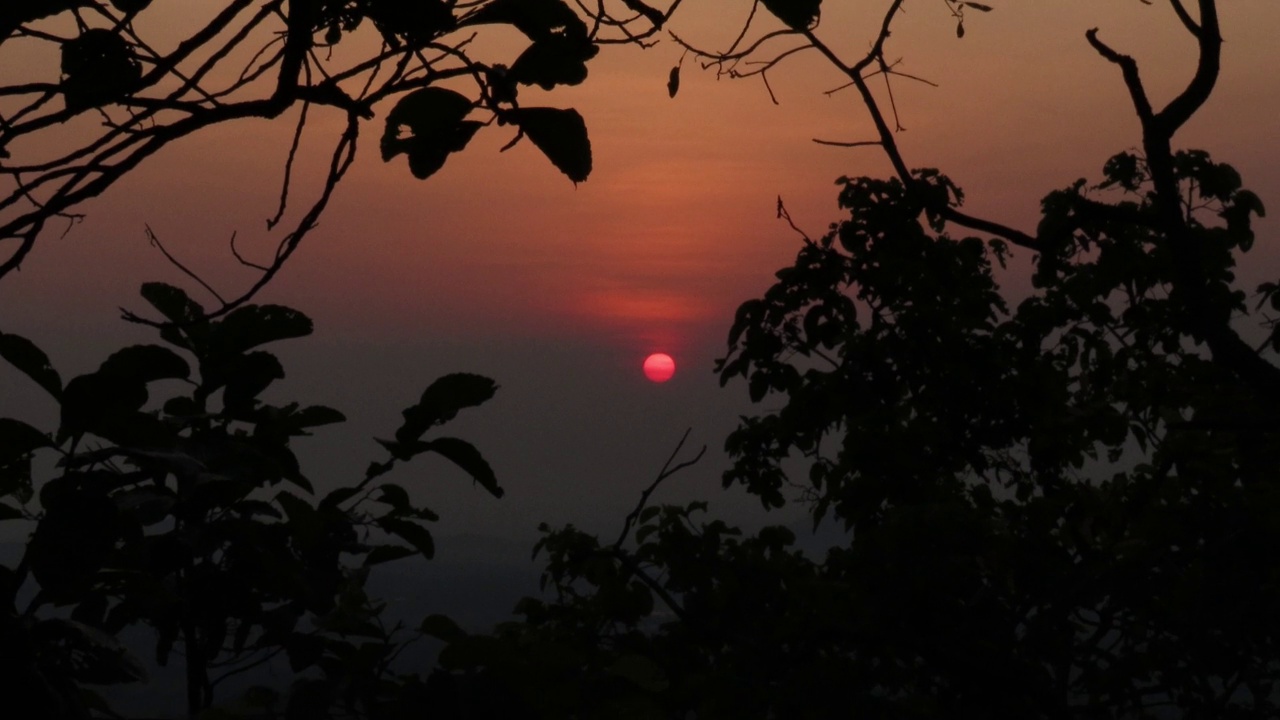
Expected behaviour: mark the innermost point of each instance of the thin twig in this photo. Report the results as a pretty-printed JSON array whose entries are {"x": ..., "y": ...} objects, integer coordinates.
[
  {"x": 837, "y": 143},
  {"x": 155, "y": 242},
  {"x": 666, "y": 472},
  {"x": 241, "y": 259},
  {"x": 288, "y": 166}
]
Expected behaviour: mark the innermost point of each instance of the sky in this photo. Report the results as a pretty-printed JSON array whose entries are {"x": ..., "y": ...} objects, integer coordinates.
[{"x": 500, "y": 265}]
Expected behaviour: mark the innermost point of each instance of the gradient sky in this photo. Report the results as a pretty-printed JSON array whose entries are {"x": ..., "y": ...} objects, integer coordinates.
[{"x": 500, "y": 265}]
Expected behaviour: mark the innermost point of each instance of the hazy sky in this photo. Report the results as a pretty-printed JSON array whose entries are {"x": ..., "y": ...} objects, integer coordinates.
[{"x": 500, "y": 265}]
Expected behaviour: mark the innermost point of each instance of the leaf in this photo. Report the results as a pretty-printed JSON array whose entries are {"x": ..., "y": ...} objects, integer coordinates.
[
  {"x": 960, "y": 29},
  {"x": 72, "y": 541},
  {"x": 402, "y": 450},
  {"x": 441, "y": 627},
  {"x": 387, "y": 553},
  {"x": 537, "y": 19},
  {"x": 144, "y": 364},
  {"x": 395, "y": 496},
  {"x": 303, "y": 651},
  {"x": 978, "y": 6},
  {"x": 561, "y": 135},
  {"x": 435, "y": 119},
  {"x": 673, "y": 82},
  {"x": 315, "y": 416},
  {"x": 554, "y": 61},
  {"x": 130, "y": 6},
  {"x": 412, "y": 533},
  {"x": 98, "y": 403},
  {"x": 419, "y": 22},
  {"x": 18, "y": 439},
  {"x": 641, "y": 671},
  {"x": 466, "y": 456},
  {"x": 148, "y": 503},
  {"x": 172, "y": 302},
  {"x": 94, "y": 656},
  {"x": 337, "y": 497},
  {"x": 30, "y": 361},
  {"x": 304, "y": 521},
  {"x": 180, "y": 309},
  {"x": 248, "y": 376},
  {"x": 442, "y": 400},
  {"x": 797, "y": 14},
  {"x": 249, "y": 326}
]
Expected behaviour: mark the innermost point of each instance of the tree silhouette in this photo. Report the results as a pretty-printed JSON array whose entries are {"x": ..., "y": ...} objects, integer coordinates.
[
  {"x": 259, "y": 59},
  {"x": 168, "y": 511},
  {"x": 192, "y": 517},
  {"x": 1061, "y": 508}
]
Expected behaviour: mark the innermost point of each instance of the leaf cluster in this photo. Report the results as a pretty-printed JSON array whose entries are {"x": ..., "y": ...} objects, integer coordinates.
[
  {"x": 1059, "y": 507},
  {"x": 192, "y": 517}
]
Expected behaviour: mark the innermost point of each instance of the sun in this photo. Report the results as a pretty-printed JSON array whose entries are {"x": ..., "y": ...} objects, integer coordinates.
[{"x": 659, "y": 367}]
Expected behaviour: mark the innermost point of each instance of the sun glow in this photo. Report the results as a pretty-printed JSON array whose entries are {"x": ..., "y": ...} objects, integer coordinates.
[{"x": 659, "y": 367}]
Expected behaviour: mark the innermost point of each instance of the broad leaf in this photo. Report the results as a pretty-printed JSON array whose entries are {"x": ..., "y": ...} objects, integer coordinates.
[
  {"x": 98, "y": 403},
  {"x": 561, "y": 135},
  {"x": 412, "y": 533},
  {"x": 555, "y": 61},
  {"x": 179, "y": 309},
  {"x": 441, "y": 627},
  {"x": 130, "y": 6},
  {"x": 248, "y": 376},
  {"x": 94, "y": 656},
  {"x": 387, "y": 553},
  {"x": 315, "y": 416},
  {"x": 395, "y": 496},
  {"x": 304, "y": 521},
  {"x": 18, "y": 439},
  {"x": 31, "y": 361},
  {"x": 797, "y": 14},
  {"x": 418, "y": 22},
  {"x": 537, "y": 19},
  {"x": 249, "y": 326},
  {"x": 441, "y": 402},
  {"x": 466, "y": 456},
  {"x": 73, "y": 539},
  {"x": 149, "y": 504},
  {"x": 144, "y": 364},
  {"x": 337, "y": 497},
  {"x": 435, "y": 119}
]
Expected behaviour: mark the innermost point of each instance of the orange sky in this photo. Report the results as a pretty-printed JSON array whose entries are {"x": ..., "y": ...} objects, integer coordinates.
[{"x": 676, "y": 225}]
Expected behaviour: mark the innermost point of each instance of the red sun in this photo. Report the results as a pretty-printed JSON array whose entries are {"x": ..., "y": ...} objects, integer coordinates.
[{"x": 659, "y": 367}]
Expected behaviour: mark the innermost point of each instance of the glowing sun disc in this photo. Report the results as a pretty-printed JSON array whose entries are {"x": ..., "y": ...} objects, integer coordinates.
[{"x": 659, "y": 367}]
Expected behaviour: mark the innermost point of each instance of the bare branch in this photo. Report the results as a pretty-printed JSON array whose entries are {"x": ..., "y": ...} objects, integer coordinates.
[
  {"x": 240, "y": 258},
  {"x": 1185, "y": 17},
  {"x": 859, "y": 143},
  {"x": 1129, "y": 70},
  {"x": 667, "y": 471},
  {"x": 784, "y": 215},
  {"x": 1209, "y": 38},
  {"x": 155, "y": 242}
]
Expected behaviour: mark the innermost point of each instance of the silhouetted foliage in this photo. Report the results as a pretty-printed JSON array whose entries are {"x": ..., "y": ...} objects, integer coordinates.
[
  {"x": 260, "y": 59},
  {"x": 1063, "y": 506},
  {"x": 1059, "y": 505},
  {"x": 192, "y": 517}
]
